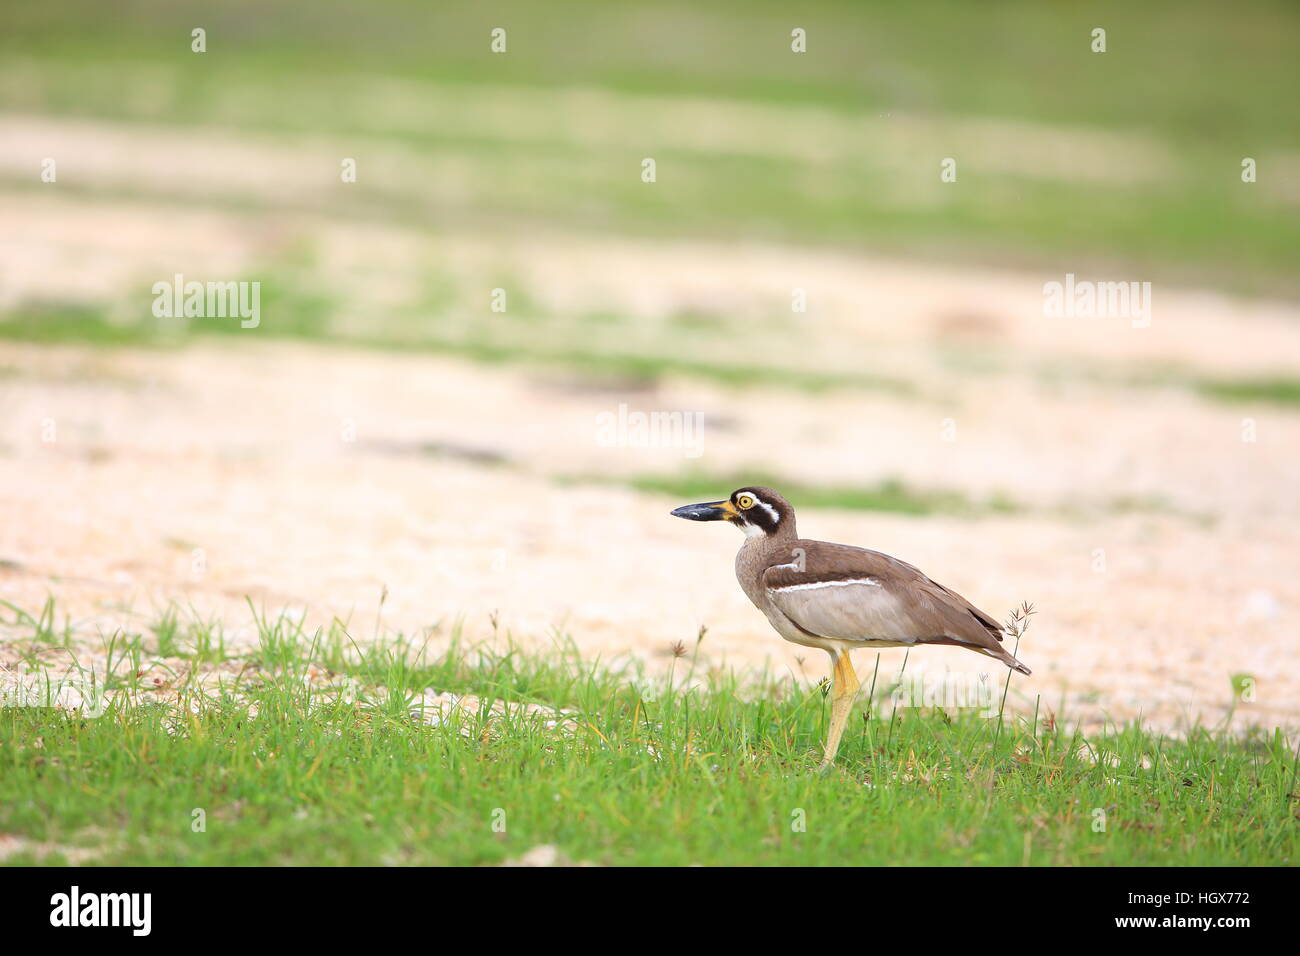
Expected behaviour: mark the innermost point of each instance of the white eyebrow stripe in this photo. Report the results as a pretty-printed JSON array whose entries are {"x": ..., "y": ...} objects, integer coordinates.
[
  {"x": 776, "y": 518},
  {"x": 871, "y": 582}
]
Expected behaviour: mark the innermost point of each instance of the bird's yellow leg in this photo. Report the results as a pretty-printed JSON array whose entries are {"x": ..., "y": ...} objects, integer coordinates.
[{"x": 843, "y": 692}]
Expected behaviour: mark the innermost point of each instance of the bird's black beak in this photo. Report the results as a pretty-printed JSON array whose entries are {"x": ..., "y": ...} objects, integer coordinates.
[{"x": 706, "y": 511}]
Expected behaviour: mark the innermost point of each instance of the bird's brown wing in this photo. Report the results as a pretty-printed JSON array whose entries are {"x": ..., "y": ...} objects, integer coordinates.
[{"x": 852, "y": 594}]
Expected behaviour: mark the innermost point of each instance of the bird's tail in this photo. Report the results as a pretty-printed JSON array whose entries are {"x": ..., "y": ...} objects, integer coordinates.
[{"x": 1010, "y": 661}]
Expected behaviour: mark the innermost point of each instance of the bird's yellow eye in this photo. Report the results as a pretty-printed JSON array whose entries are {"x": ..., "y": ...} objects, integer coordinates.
[{"x": 745, "y": 501}]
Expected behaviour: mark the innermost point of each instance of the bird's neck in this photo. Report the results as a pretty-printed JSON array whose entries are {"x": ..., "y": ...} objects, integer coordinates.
[{"x": 762, "y": 544}]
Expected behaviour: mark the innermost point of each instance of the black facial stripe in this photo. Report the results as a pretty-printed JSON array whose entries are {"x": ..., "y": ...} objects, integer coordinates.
[{"x": 766, "y": 518}]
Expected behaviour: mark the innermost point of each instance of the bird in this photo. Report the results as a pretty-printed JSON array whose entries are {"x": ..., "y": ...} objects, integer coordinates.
[{"x": 840, "y": 598}]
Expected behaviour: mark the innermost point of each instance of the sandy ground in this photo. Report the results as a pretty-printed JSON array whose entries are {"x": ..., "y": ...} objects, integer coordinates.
[
  {"x": 1158, "y": 530},
  {"x": 294, "y": 475}
]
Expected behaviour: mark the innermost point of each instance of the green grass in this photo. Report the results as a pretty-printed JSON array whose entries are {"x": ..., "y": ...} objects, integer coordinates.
[
  {"x": 53, "y": 323},
  {"x": 307, "y": 752},
  {"x": 890, "y": 495},
  {"x": 647, "y": 369},
  {"x": 1275, "y": 391},
  {"x": 1186, "y": 69},
  {"x": 289, "y": 313}
]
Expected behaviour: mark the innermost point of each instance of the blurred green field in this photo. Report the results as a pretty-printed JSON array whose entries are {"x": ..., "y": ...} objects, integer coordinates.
[{"x": 1066, "y": 159}]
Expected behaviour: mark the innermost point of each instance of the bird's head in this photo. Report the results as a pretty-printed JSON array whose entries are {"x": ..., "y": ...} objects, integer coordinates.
[{"x": 755, "y": 510}]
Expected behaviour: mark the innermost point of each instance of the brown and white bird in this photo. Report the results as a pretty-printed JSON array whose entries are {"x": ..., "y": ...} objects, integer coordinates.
[{"x": 840, "y": 598}]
